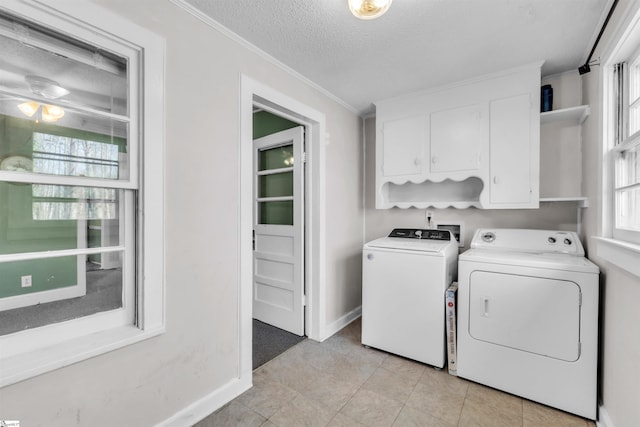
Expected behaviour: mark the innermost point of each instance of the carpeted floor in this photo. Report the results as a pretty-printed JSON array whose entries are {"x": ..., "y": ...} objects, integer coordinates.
[
  {"x": 269, "y": 342},
  {"x": 104, "y": 292}
]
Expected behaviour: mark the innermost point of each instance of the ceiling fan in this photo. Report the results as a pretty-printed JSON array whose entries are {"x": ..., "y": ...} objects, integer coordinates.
[{"x": 48, "y": 89}]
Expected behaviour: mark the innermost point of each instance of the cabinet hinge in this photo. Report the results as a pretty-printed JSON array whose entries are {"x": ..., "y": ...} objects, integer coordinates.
[
  {"x": 304, "y": 157},
  {"x": 304, "y": 300}
]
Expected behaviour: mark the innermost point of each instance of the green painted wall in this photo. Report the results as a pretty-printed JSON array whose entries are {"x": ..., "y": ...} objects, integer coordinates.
[
  {"x": 19, "y": 232},
  {"x": 265, "y": 123}
]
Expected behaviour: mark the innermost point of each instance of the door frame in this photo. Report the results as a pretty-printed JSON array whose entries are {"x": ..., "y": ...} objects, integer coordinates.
[{"x": 253, "y": 93}]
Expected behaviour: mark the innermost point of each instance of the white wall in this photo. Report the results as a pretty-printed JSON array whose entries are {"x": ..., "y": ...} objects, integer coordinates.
[
  {"x": 147, "y": 383},
  {"x": 620, "y": 317}
]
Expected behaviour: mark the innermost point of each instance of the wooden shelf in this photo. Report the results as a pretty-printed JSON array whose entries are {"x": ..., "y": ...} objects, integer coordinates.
[
  {"x": 582, "y": 202},
  {"x": 576, "y": 114}
]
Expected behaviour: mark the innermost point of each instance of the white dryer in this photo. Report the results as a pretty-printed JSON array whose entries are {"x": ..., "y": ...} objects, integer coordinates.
[
  {"x": 528, "y": 317},
  {"x": 405, "y": 277}
]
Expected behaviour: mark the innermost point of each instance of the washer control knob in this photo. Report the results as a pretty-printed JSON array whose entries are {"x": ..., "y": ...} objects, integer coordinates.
[
  {"x": 568, "y": 242},
  {"x": 488, "y": 237},
  {"x": 418, "y": 234},
  {"x": 551, "y": 239}
]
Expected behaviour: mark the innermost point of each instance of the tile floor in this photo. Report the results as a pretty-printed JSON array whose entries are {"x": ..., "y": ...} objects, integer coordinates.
[{"x": 341, "y": 383}]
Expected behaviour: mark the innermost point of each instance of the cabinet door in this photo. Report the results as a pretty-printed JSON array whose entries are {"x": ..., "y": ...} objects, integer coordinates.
[
  {"x": 458, "y": 136},
  {"x": 403, "y": 145},
  {"x": 511, "y": 154}
]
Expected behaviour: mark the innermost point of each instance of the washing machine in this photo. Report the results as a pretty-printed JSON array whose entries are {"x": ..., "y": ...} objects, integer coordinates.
[
  {"x": 528, "y": 317},
  {"x": 405, "y": 277}
]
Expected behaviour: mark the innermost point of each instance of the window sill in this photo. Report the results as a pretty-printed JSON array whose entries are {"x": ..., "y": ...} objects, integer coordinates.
[
  {"x": 30, "y": 364},
  {"x": 621, "y": 254}
]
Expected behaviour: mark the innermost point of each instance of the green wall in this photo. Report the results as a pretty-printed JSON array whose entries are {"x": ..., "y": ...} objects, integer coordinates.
[
  {"x": 19, "y": 232},
  {"x": 265, "y": 123}
]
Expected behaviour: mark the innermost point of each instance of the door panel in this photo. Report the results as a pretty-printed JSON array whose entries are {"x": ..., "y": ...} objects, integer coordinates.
[
  {"x": 457, "y": 138},
  {"x": 511, "y": 150},
  {"x": 532, "y": 314},
  {"x": 403, "y": 143},
  {"x": 278, "y": 268}
]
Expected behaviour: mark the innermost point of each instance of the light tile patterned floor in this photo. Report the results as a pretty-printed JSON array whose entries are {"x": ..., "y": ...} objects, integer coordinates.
[{"x": 340, "y": 383}]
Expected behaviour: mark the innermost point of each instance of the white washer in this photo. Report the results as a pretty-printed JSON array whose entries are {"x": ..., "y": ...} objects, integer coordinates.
[
  {"x": 405, "y": 276},
  {"x": 528, "y": 317}
]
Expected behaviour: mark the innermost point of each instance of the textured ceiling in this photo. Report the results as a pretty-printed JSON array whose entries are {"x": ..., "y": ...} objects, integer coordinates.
[{"x": 417, "y": 44}]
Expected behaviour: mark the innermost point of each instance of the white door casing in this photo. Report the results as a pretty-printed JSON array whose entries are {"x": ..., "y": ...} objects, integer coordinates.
[{"x": 278, "y": 221}]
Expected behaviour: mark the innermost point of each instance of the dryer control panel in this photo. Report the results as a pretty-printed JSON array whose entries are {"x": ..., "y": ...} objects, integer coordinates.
[
  {"x": 520, "y": 240},
  {"x": 419, "y": 233}
]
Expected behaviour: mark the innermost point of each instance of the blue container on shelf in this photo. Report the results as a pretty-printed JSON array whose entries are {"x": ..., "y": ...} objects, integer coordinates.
[{"x": 546, "y": 98}]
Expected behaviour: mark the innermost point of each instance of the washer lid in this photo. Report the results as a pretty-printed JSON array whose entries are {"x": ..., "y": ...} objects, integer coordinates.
[
  {"x": 421, "y": 245},
  {"x": 552, "y": 261}
]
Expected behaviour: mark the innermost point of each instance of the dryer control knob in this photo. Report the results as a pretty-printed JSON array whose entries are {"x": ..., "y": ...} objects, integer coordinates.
[
  {"x": 488, "y": 237},
  {"x": 568, "y": 242},
  {"x": 551, "y": 239}
]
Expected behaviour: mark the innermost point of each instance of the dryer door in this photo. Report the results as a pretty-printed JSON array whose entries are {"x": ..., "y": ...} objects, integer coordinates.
[{"x": 533, "y": 314}]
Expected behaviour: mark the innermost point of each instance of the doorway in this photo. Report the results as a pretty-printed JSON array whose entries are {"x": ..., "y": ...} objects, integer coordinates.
[
  {"x": 278, "y": 235},
  {"x": 256, "y": 93}
]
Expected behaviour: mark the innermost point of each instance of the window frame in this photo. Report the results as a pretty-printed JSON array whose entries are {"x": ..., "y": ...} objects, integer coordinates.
[
  {"x": 619, "y": 247},
  {"x": 40, "y": 350},
  {"x": 624, "y": 137}
]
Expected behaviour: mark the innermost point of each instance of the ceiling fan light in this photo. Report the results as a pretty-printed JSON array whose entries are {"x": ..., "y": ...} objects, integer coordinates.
[
  {"x": 29, "y": 108},
  {"x": 368, "y": 9},
  {"x": 51, "y": 113}
]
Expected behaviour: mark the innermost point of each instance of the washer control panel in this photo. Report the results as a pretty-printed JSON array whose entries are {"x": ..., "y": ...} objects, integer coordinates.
[{"x": 419, "y": 233}]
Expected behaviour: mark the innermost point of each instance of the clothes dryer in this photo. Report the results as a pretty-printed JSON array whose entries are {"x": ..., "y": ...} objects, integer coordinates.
[
  {"x": 405, "y": 277},
  {"x": 528, "y": 317}
]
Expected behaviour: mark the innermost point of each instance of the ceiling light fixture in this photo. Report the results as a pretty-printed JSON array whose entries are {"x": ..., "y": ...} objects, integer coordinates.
[
  {"x": 49, "y": 113},
  {"x": 45, "y": 88},
  {"x": 368, "y": 9}
]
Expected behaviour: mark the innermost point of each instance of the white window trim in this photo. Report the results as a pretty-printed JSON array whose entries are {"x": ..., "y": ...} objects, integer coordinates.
[
  {"x": 617, "y": 252},
  {"x": 85, "y": 19}
]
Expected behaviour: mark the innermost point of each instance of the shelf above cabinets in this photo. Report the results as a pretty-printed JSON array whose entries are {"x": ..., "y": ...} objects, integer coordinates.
[
  {"x": 582, "y": 202},
  {"x": 576, "y": 114}
]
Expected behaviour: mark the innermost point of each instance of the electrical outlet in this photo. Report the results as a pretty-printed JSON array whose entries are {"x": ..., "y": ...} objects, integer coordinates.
[
  {"x": 25, "y": 281},
  {"x": 429, "y": 219}
]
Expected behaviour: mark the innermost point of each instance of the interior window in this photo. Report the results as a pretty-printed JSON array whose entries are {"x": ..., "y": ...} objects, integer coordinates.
[
  {"x": 81, "y": 267},
  {"x": 65, "y": 192}
]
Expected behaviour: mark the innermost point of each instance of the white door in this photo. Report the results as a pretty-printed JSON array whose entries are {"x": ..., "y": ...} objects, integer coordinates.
[{"x": 278, "y": 221}]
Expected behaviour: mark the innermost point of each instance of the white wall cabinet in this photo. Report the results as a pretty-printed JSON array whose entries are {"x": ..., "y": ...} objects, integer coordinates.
[
  {"x": 475, "y": 143},
  {"x": 510, "y": 152},
  {"x": 454, "y": 139},
  {"x": 403, "y": 154}
]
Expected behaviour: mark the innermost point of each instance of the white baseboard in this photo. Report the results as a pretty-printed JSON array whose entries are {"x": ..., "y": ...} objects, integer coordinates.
[
  {"x": 603, "y": 418},
  {"x": 199, "y": 409},
  {"x": 335, "y": 326}
]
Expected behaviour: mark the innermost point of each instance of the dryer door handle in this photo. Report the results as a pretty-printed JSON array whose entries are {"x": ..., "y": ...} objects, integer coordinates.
[{"x": 485, "y": 306}]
